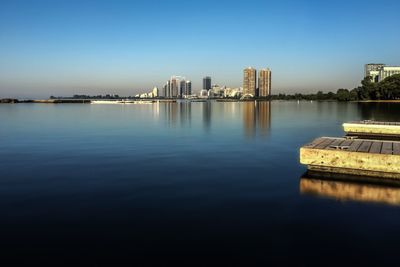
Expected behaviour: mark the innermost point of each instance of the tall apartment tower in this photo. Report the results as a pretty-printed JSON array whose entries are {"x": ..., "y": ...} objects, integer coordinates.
[
  {"x": 264, "y": 82},
  {"x": 164, "y": 90},
  {"x": 167, "y": 90},
  {"x": 207, "y": 83},
  {"x": 182, "y": 88},
  {"x": 174, "y": 87},
  {"x": 250, "y": 82},
  {"x": 188, "y": 88},
  {"x": 156, "y": 92}
]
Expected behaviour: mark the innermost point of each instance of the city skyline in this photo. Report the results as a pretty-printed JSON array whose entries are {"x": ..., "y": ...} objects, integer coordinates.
[{"x": 122, "y": 47}]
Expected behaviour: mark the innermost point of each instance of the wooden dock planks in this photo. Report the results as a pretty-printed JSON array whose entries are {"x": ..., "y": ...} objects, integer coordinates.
[
  {"x": 387, "y": 148},
  {"x": 365, "y": 145},
  {"x": 315, "y": 142},
  {"x": 327, "y": 142},
  {"x": 376, "y": 147},
  {"x": 396, "y": 148},
  {"x": 355, "y": 145}
]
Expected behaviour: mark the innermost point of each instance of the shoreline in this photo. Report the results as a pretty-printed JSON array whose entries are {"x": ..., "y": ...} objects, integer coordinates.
[
  {"x": 163, "y": 100},
  {"x": 377, "y": 101}
]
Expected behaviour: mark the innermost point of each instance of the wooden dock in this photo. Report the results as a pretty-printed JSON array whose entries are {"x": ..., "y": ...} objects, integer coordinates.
[
  {"x": 353, "y": 156},
  {"x": 373, "y": 129}
]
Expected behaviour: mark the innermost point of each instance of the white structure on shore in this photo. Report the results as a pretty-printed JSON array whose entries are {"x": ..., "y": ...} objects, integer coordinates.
[
  {"x": 379, "y": 72},
  {"x": 203, "y": 93},
  {"x": 232, "y": 92},
  {"x": 153, "y": 94}
]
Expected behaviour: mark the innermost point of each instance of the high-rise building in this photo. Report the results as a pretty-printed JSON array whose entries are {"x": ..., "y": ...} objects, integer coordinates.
[
  {"x": 164, "y": 92},
  {"x": 168, "y": 90},
  {"x": 250, "y": 82},
  {"x": 182, "y": 88},
  {"x": 207, "y": 83},
  {"x": 264, "y": 82},
  {"x": 155, "y": 92},
  {"x": 188, "y": 88},
  {"x": 174, "y": 87}
]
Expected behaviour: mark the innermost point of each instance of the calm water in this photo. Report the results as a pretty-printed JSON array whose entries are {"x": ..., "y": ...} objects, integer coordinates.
[{"x": 188, "y": 183}]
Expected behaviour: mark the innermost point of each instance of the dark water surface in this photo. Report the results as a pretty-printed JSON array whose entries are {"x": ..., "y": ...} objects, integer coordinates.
[{"x": 185, "y": 183}]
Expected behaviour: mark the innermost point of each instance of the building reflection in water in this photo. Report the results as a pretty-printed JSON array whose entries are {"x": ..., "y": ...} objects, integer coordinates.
[
  {"x": 185, "y": 112},
  {"x": 256, "y": 118},
  {"x": 156, "y": 110},
  {"x": 170, "y": 110},
  {"x": 176, "y": 113},
  {"x": 256, "y": 115},
  {"x": 350, "y": 188},
  {"x": 207, "y": 115}
]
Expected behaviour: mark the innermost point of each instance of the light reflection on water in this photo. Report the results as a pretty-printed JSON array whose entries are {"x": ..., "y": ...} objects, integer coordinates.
[{"x": 351, "y": 188}]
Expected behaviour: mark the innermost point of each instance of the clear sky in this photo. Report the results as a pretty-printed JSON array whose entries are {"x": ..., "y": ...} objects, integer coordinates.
[{"x": 63, "y": 47}]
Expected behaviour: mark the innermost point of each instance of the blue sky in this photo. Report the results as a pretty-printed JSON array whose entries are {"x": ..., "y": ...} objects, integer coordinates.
[{"x": 73, "y": 46}]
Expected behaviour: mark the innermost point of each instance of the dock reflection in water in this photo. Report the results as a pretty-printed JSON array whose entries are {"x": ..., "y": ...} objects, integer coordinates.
[{"x": 351, "y": 188}]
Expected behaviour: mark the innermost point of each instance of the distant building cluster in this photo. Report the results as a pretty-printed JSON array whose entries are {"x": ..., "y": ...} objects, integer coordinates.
[
  {"x": 180, "y": 87},
  {"x": 215, "y": 91},
  {"x": 379, "y": 72},
  {"x": 177, "y": 87},
  {"x": 250, "y": 88}
]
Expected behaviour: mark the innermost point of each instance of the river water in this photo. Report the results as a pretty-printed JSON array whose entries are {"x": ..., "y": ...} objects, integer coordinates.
[{"x": 186, "y": 183}]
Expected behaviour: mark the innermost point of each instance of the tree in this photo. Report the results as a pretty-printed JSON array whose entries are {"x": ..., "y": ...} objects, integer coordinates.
[
  {"x": 343, "y": 95},
  {"x": 389, "y": 88},
  {"x": 353, "y": 95},
  {"x": 367, "y": 90}
]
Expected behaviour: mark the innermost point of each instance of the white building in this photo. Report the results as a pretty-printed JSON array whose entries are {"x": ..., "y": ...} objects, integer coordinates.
[
  {"x": 232, "y": 92},
  {"x": 217, "y": 90},
  {"x": 388, "y": 71},
  {"x": 379, "y": 72},
  {"x": 155, "y": 92},
  {"x": 203, "y": 93}
]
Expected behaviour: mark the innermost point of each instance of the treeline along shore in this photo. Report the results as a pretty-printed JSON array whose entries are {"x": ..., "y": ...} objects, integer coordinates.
[
  {"x": 48, "y": 101},
  {"x": 72, "y": 101},
  {"x": 386, "y": 90}
]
